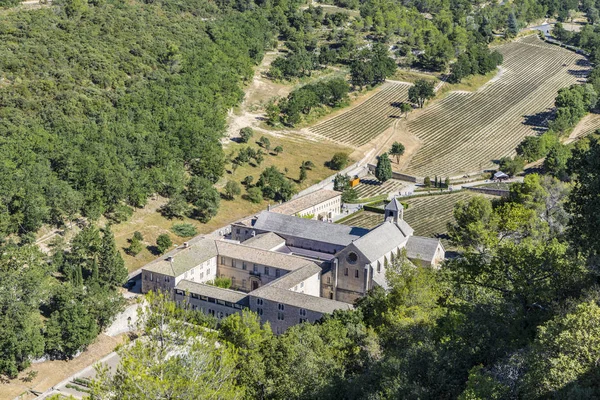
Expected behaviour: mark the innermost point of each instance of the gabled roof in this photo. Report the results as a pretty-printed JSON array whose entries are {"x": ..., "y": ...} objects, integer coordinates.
[
  {"x": 263, "y": 257},
  {"x": 380, "y": 240},
  {"x": 300, "y": 300},
  {"x": 422, "y": 248},
  {"x": 183, "y": 259},
  {"x": 215, "y": 292},
  {"x": 265, "y": 241},
  {"x": 394, "y": 205},
  {"x": 319, "y": 231}
]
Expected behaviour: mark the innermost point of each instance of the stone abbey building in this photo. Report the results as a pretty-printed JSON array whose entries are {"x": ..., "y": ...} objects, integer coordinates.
[{"x": 288, "y": 269}]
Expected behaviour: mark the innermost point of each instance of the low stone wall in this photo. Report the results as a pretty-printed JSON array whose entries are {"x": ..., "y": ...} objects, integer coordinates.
[{"x": 490, "y": 191}]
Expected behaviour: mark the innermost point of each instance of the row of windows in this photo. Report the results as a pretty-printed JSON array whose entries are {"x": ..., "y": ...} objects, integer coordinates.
[
  {"x": 150, "y": 277},
  {"x": 255, "y": 268},
  {"x": 209, "y": 299},
  {"x": 346, "y": 273}
]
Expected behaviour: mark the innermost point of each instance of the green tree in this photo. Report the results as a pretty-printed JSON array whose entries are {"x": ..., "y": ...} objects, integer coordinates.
[
  {"x": 341, "y": 182},
  {"x": 278, "y": 150},
  {"x": 302, "y": 176},
  {"x": 427, "y": 182},
  {"x": 397, "y": 151},
  {"x": 563, "y": 358},
  {"x": 251, "y": 339},
  {"x": 232, "y": 189},
  {"x": 177, "y": 359},
  {"x": 349, "y": 195},
  {"x": 513, "y": 26},
  {"x": 383, "y": 170},
  {"x": 135, "y": 246},
  {"x": 421, "y": 91},
  {"x": 111, "y": 267},
  {"x": 339, "y": 161},
  {"x": 71, "y": 327},
  {"x": 163, "y": 243},
  {"x": 255, "y": 195},
  {"x": 176, "y": 207},
  {"x": 405, "y": 108},
  {"x": 511, "y": 166},
  {"x": 246, "y": 134},
  {"x": 265, "y": 142},
  {"x": 204, "y": 197}
]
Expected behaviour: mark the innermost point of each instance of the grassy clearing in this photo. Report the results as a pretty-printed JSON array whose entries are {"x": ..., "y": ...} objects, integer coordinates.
[
  {"x": 151, "y": 224},
  {"x": 412, "y": 76}
]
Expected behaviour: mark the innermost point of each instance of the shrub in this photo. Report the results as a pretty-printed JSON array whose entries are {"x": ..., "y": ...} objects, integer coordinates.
[
  {"x": 246, "y": 134},
  {"x": 339, "y": 161},
  {"x": 255, "y": 195},
  {"x": 135, "y": 247},
  {"x": 224, "y": 283},
  {"x": 184, "y": 230},
  {"x": 232, "y": 189},
  {"x": 137, "y": 235},
  {"x": 163, "y": 243}
]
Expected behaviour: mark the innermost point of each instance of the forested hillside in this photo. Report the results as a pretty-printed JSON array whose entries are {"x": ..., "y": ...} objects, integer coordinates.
[{"x": 108, "y": 102}]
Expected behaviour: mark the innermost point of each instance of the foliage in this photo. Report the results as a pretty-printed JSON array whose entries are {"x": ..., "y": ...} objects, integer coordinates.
[
  {"x": 274, "y": 185},
  {"x": 246, "y": 134},
  {"x": 176, "y": 207},
  {"x": 99, "y": 112},
  {"x": 371, "y": 66},
  {"x": 232, "y": 189},
  {"x": 184, "y": 230},
  {"x": 339, "y": 161},
  {"x": 421, "y": 91},
  {"x": 397, "y": 150},
  {"x": 255, "y": 195},
  {"x": 178, "y": 359},
  {"x": 205, "y": 198},
  {"x": 135, "y": 246},
  {"x": 341, "y": 182},
  {"x": 383, "y": 170},
  {"x": 349, "y": 195},
  {"x": 224, "y": 283},
  {"x": 163, "y": 243},
  {"x": 511, "y": 166},
  {"x": 478, "y": 59}
]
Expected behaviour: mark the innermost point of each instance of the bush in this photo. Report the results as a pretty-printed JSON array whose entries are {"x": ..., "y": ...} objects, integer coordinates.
[
  {"x": 232, "y": 189},
  {"x": 120, "y": 213},
  {"x": 163, "y": 243},
  {"x": 184, "y": 230},
  {"x": 135, "y": 246},
  {"x": 137, "y": 235},
  {"x": 224, "y": 283},
  {"x": 339, "y": 161},
  {"x": 255, "y": 195},
  {"x": 246, "y": 134}
]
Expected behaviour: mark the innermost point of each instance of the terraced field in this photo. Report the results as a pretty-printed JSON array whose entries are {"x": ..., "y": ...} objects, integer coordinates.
[
  {"x": 364, "y": 219},
  {"x": 465, "y": 132},
  {"x": 588, "y": 125},
  {"x": 369, "y": 119},
  {"x": 430, "y": 215},
  {"x": 371, "y": 187}
]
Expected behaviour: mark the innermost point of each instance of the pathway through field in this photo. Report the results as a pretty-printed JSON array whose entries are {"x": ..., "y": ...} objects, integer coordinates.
[{"x": 466, "y": 132}]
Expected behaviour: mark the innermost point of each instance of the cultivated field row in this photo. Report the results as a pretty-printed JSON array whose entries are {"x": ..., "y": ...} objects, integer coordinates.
[
  {"x": 465, "y": 132},
  {"x": 364, "y": 219},
  {"x": 371, "y": 187},
  {"x": 368, "y": 120}
]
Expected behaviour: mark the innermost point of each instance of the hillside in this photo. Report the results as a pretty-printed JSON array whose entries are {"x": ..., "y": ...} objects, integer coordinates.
[{"x": 109, "y": 103}]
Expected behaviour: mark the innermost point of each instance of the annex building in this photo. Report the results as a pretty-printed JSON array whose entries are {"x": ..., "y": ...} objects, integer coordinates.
[{"x": 288, "y": 269}]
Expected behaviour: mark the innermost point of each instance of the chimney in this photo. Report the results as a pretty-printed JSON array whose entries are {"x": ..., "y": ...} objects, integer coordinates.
[
  {"x": 186, "y": 245},
  {"x": 170, "y": 259}
]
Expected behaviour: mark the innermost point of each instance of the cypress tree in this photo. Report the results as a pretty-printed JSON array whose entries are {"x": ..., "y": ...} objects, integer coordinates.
[
  {"x": 383, "y": 170},
  {"x": 111, "y": 268}
]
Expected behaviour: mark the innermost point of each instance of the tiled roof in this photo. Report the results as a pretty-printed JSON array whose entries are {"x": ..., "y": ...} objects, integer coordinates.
[
  {"x": 319, "y": 231},
  {"x": 212, "y": 291},
  {"x": 183, "y": 259},
  {"x": 263, "y": 257},
  {"x": 422, "y": 248},
  {"x": 394, "y": 205},
  {"x": 265, "y": 241},
  {"x": 301, "y": 300},
  {"x": 302, "y": 203},
  {"x": 381, "y": 240},
  {"x": 292, "y": 279}
]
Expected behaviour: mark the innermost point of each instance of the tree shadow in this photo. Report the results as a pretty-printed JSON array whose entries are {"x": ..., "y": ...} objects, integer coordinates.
[
  {"x": 539, "y": 121},
  {"x": 154, "y": 250},
  {"x": 581, "y": 74},
  {"x": 583, "y": 62}
]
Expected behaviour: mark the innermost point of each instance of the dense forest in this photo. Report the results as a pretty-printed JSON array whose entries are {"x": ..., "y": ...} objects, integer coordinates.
[{"x": 105, "y": 102}]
